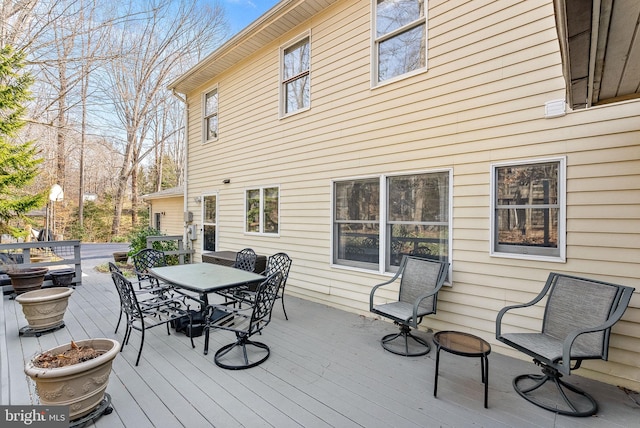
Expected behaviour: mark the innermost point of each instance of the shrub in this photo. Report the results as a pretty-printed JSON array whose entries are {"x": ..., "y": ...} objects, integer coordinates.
[{"x": 138, "y": 241}]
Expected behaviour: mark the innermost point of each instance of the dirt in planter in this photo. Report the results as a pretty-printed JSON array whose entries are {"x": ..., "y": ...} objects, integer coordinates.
[{"x": 75, "y": 355}]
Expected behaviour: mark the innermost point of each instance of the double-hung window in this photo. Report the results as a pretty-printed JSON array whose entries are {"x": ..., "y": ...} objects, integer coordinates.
[
  {"x": 262, "y": 210},
  {"x": 528, "y": 209},
  {"x": 378, "y": 220},
  {"x": 399, "y": 39},
  {"x": 295, "y": 86},
  {"x": 210, "y": 117}
]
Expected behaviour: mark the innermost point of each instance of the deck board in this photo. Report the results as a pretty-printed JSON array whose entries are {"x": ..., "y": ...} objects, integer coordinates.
[{"x": 327, "y": 369}]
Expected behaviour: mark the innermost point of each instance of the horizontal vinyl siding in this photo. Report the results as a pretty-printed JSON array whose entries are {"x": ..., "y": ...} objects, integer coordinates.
[
  {"x": 491, "y": 68},
  {"x": 171, "y": 223}
]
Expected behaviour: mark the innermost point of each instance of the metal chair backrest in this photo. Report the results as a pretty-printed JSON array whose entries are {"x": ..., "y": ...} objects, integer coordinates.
[
  {"x": 246, "y": 260},
  {"x": 128, "y": 298},
  {"x": 279, "y": 262},
  {"x": 114, "y": 268},
  {"x": 146, "y": 259},
  {"x": 577, "y": 303},
  {"x": 263, "y": 304},
  {"x": 419, "y": 277}
]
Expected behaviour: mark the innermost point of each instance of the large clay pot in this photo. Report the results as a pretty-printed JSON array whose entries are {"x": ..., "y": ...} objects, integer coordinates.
[
  {"x": 27, "y": 279},
  {"x": 45, "y": 308},
  {"x": 80, "y": 386}
]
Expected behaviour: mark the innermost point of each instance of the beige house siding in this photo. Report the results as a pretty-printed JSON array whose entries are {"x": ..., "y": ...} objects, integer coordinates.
[
  {"x": 491, "y": 68},
  {"x": 171, "y": 214}
]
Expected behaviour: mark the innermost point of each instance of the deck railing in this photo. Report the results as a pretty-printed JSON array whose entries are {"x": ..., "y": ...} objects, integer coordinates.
[
  {"x": 52, "y": 254},
  {"x": 181, "y": 252}
]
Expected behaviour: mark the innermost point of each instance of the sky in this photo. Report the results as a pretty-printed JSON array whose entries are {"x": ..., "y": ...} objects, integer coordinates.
[{"x": 241, "y": 13}]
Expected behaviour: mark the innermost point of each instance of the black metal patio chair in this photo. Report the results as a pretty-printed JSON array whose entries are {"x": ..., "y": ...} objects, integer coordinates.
[
  {"x": 146, "y": 295},
  {"x": 420, "y": 281},
  {"x": 245, "y": 322},
  {"x": 279, "y": 262},
  {"x": 246, "y": 260},
  {"x": 578, "y": 317},
  {"x": 145, "y": 315},
  {"x": 144, "y": 260}
]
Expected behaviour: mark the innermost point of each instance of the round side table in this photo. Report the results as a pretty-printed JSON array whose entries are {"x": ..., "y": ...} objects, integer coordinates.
[{"x": 466, "y": 345}]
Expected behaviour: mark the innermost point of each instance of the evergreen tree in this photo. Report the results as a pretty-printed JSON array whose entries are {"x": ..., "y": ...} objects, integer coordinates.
[{"x": 18, "y": 160}]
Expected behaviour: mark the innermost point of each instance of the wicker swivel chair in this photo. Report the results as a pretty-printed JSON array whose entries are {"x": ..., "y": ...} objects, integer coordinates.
[
  {"x": 578, "y": 317},
  {"x": 421, "y": 279},
  {"x": 246, "y": 260},
  {"x": 244, "y": 322},
  {"x": 145, "y": 315}
]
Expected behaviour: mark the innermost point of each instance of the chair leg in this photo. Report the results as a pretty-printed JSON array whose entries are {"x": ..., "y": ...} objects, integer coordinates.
[
  {"x": 283, "y": 309},
  {"x": 206, "y": 340},
  {"x": 141, "y": 345},
  {"x": 119, "y": 319},
  {"x": 560, "y": 397},
  {"x": 404, "y": 335}
]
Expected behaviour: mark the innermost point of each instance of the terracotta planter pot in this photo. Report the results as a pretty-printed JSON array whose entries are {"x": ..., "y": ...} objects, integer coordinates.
[
  {"x": 44, "y": 308},
  {"x": 27, "y": 279},
  {"x": 80, "y": 386}
]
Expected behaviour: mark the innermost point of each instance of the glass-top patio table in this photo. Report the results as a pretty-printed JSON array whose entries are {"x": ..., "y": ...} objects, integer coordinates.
[{"x": 205, "y": 278}]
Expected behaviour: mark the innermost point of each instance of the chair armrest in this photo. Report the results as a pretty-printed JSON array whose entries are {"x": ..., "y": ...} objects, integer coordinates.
[
  {"x": 373, "y": 290},
  {"x": 523, "y": 305},
  {"x": 622, "y": 305}
]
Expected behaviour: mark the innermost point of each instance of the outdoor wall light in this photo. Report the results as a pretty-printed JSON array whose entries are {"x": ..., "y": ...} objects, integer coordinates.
[
  {"x": 197, "y": 199},
  {"x": 226, "y": 181}
]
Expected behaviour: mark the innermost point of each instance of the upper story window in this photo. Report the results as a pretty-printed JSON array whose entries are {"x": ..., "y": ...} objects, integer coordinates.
[
  {"x": 400, "y": 39},
  {"x": 379, "y": 220},
  {"x": 528, "y": 209},
  {"x": 210, "y": 116},
  {"x": 262, "y": 210},
  {"x": 295, "y": 78}
]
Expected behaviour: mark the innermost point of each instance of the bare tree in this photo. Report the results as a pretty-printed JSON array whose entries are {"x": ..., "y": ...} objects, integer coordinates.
[{"x": 155, "y": 50}]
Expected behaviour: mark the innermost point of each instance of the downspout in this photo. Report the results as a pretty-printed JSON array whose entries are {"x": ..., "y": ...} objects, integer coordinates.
[{"x": 185, "y": 235}]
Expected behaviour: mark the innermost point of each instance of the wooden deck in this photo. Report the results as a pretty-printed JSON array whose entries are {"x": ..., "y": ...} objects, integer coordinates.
[{"x": 327, "y": 369}]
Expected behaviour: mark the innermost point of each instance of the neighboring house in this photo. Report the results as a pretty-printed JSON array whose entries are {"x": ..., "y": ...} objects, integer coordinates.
[
  {"x": 166, "y": 210},
  {"x": 348, "y": 133}
]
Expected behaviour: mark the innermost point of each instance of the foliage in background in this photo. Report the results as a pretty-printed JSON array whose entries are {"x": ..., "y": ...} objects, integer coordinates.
[
  {"x": 138, "y": 241},
  {"x": 18, "y": 161}
]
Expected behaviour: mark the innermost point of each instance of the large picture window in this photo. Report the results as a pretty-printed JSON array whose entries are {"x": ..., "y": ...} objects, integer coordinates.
[
  {"x": 400, "y": 38},
  {"x": 528, "y": 209},
  {"x": 209, "y": 222},
  {"x": 295, "y": 87},
  {"x": 210, "y": 117},
  {"x": 262, "y": 206},
  {"x": 379, "y": 220}
]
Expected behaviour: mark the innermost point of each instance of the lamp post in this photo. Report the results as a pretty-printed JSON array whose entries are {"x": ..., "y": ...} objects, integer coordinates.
[{"x": 56, "y": 194}]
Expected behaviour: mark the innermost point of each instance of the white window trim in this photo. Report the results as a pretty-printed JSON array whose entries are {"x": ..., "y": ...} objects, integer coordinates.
[
  {"x": 562, "y": 215},
  {"x": 204, "y": 122},
  {"x": 374, "y": 51},
  {"x": 202, "y": 197},
  {"x": 244, "y": 210},
  {"x": 281, "y": 109},
  {"x": 383, "y": 220}
]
